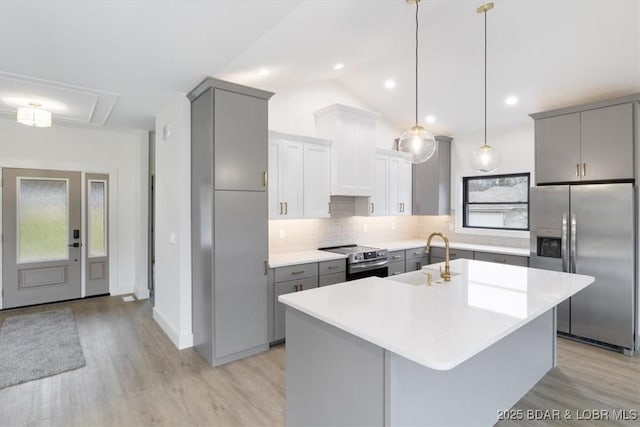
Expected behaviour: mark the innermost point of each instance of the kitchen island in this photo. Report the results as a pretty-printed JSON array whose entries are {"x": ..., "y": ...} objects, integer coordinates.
[{"x": 398, "y": 352}]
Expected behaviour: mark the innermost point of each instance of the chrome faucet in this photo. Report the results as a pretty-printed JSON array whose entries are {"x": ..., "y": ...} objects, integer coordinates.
[{"x": 446, "y": 274}]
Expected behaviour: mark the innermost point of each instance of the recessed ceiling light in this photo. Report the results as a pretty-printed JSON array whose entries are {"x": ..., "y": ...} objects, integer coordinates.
[
  {"x": 511, "y": 100},
  {"x": 390, "y": 84},
  {"x": 338, "y": 66},
  {"x": 430, "y": 119},
  {"x": 263, "y": 71}
]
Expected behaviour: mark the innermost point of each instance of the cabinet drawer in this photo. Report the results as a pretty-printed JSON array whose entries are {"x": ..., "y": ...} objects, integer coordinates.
[
  {"x": 334, "y": 266},
  {"x": 396, "y": 256},
  {"x": 453, "y": 253},
  {"x": 502, "y": 259},
  {"x": 414, "y": 253},
  {"x": 296, "y": 272},
  {"x": 332, "y": 279},
  {"x": 416, "y": 263},
  {"x": 396, "y": 268}
]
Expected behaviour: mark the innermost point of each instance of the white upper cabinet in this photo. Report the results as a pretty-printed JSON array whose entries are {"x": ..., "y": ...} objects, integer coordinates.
[
  {"x": 399, "y": 184},
  {"x": 393, "y": 185},
  {"x": 299, "y": 176},
  {"x": 317, "y": 179},
  {"x": 353, "y": 133}
]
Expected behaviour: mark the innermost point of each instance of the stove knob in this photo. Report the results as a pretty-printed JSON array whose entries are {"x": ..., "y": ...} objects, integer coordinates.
[
  {"x": 358, "y": 256},
  {"x": 380, "y": 253}
]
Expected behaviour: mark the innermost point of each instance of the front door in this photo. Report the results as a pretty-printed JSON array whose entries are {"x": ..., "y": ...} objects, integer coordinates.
[{"x": 41, "y": 221}]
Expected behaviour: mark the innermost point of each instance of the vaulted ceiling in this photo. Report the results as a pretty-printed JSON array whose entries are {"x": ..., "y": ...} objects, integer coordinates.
[{"x": 126, "y": 59}]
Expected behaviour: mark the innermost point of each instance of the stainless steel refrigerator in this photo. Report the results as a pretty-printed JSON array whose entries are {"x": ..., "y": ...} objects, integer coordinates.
[{"x": 590, "y": 229}]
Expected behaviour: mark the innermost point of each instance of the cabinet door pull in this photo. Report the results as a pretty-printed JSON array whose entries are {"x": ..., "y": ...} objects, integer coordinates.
[
  {"x": 329, "y": 208},
  {"x": 286, "y": 208},
  {"x": 577, "y": 169},
  {"x": 397, "y": 272},
  {"x": 395, "y": 257},
  {"x": 501, "y": 261},
  {"x": 584, "y": 169},
  {"x": 372, "y": 207},
  {"x": 333, "y": 267},
  {"x": 266, "y": 268},
  {"x": 418, "y": 265},
  {"x": 297, "y": 272},
  {"x": 265, "y": 178},
  {"x": 281, "y": 208}
]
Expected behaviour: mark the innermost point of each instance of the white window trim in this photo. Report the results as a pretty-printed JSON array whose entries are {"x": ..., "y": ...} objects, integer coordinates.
[{"x": 458, "y": 212}]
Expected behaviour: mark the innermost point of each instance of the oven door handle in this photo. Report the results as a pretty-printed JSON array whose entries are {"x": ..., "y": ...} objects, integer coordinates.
[{"x": 367, "y": 265}]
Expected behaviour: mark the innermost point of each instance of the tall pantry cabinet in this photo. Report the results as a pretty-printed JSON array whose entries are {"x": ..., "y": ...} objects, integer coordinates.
[{"x": 229, "y": 230}]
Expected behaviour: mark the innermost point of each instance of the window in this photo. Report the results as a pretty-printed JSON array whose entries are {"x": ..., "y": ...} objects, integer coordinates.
[{"x": 496, "y": 202}]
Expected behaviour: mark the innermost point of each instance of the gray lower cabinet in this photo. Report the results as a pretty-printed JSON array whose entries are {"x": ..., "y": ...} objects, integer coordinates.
[
  {"x": 229, "y": 228},
  {"x": 332, "y": 272},
  {"x": 283, "y": 288},
  {"x": 332, "y": 279},
  {"x": 438, "y": 254},
  {"x": 415, "y": 259},
  {"x": 396, "y": 268},
  {"x": 431, "y": 184},
  {"x": 522, "y": 261}
]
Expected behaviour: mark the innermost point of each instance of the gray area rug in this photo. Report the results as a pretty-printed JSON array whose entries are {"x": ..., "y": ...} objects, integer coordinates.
[{"x": 38, "y": 345}]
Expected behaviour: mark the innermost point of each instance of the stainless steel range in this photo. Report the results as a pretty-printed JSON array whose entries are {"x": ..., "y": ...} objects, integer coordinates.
[{"x": 363, "y": 261}]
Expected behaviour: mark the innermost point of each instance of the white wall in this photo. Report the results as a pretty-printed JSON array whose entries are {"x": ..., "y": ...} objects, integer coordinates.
[
  {"x": 516, "y": 147},
  {"x": 172, "y": 292},
  {"x": 292, "y": 111},
  {"x": 122, "y": 155}
]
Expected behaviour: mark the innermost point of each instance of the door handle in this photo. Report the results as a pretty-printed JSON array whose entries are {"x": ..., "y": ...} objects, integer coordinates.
[
  {"x": 74, "y": 245},
  {"x": 574, "y": 243},
  {"x": 563, "y": 243}
]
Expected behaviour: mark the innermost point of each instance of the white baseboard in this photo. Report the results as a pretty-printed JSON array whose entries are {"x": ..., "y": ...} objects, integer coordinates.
[
  {"x": 180, "y": 341},
  {"x": 142, "y": 293}
]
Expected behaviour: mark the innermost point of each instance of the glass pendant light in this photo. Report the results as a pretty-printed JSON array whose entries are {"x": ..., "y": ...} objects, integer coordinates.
[
  {"x": 417, "y": 141},
  {"x": 485, "y": 159}
]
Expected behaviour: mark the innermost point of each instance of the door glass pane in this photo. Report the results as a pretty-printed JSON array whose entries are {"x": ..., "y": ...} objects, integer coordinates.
[
  {"x": 43, "y": 220},
  {"x": 97, "y": 219}
]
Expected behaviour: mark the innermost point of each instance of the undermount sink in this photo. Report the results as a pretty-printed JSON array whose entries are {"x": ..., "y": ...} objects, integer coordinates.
[
  {"x": 419, "y": 277},
  {"x": 435, "y": 273}
]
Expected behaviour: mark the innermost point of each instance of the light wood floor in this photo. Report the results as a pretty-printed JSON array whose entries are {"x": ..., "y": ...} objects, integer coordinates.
[{"x": 134, "y": 376}]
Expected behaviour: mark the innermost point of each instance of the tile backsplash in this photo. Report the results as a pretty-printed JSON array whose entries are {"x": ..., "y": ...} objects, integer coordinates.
[{"x": 345, "y": 228}]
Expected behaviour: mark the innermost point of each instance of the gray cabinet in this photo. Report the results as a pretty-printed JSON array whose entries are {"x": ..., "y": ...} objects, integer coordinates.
[
  {"x": 332, "y": 272},
  {"x": 557, "y": 148},
  {"x": 229, "y": 220},
  {"x": 283, "y": 288},
  {"x": 396, "y": 263},
  {"x": 415, "y": 259},
  {"x": 437, "y": 254},
  {"x": 592, "y": 142},
  {"x": 432, "y": 181},
  {"x": 522, "y": 261}
]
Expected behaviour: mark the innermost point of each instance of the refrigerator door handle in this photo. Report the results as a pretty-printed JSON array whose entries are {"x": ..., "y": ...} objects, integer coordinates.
[
  {"x": 573, "y": 243},
  {"x": 563, "y": 244}
]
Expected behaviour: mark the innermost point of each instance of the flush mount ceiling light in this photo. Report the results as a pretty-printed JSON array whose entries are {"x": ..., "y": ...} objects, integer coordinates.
[
  {"x": 34, "y": 115},
  {"x": 417, "y": 141},
  {"x": 485, "y": 159},
  {"x": 511, "y": 100}
]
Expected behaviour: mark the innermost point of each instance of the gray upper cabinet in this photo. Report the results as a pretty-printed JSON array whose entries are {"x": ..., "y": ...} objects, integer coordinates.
[
  {"x": 229, "y": 228},
  {"x": 432, "y": 181},
  {"x": 592, "y": 142},
  {"x": 240, "y": 152},
  {"x": 607, "y": 143},
  {"x": 557, "y": 148}
]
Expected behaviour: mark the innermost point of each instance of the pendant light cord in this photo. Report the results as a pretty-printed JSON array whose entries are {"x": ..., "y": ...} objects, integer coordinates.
[
  {"x": 417, "y": 3},
  {"x": 485, "y": 77}
]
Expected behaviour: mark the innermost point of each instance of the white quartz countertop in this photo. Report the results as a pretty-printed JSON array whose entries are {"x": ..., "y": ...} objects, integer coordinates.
[
  {"x": 416, "y": 243},
  {"x": 293, "y": 258},
  {"x": 443, "y": 325}
]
